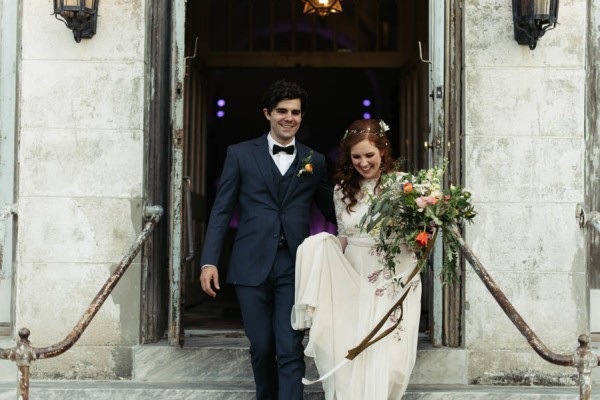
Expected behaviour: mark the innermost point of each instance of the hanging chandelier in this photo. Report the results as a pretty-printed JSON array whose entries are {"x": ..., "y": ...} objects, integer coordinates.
[{"x": 322, "y": 7}]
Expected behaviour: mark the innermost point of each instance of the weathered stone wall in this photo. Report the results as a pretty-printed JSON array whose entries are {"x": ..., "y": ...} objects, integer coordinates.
[
  {"x": 524, "y": 161},
  {"x": 81, "y": 154}
]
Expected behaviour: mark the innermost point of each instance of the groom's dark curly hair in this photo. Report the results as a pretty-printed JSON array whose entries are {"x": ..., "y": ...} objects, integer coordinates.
[
  {"x": 284, "y": 89},
  {"x": 345, "y": 175}
]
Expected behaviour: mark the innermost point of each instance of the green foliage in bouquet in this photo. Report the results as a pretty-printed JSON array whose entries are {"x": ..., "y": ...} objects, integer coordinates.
[{"x": 411, "y": 209}]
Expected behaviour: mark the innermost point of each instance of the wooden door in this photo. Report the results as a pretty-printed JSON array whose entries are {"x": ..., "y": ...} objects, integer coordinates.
[{"x": 194, "y": 167}]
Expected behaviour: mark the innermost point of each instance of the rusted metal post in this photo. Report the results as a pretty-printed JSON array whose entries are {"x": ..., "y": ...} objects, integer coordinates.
[
  {"x": 23, "y": 355},
  {"x": 584, "y": 359}
]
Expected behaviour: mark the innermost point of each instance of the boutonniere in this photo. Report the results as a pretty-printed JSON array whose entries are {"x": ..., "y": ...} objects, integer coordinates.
[{"x": 307, "y": 167}]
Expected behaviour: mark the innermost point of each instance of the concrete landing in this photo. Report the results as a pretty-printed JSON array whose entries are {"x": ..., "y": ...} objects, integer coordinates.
[{"x": 224, "y": 357}]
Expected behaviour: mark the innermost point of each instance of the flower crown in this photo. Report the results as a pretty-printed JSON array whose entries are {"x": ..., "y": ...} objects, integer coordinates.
[{"x": 383, "y": 128}]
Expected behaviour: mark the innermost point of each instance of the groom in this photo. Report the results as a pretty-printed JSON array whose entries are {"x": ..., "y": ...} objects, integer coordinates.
[{"x": 273, "y": 179}]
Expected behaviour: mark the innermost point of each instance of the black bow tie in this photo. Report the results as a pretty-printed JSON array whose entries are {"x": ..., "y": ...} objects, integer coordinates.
[{"x": 287, "y": 149}]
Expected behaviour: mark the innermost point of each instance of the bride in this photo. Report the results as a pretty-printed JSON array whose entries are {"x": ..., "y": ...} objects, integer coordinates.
[{"x": 343, "y": 291}]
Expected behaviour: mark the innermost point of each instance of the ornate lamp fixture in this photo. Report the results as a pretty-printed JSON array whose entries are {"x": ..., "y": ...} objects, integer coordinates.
[
  {"x": 322, "y": 7},
  {"x": 532, "y": 18},
  {"x": 78, "y": 15}
]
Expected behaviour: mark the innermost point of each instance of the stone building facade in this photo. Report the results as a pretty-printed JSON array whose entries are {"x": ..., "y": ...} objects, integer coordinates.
[{"x": 75, "y": 143}]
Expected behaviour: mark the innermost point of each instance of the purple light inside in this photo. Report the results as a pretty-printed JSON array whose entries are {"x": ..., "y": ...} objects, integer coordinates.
[
  {"x": 366, "y": 102},
  {"x": 366, "y": 115},
  {"x": 221, "y": 103},
  {"x": 220, "y": 114}
]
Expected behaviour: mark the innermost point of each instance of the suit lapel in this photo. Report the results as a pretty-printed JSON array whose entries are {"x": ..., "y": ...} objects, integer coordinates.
[
  {"x": 263, "y": 160},
  {"x": 302, "y": 154}
]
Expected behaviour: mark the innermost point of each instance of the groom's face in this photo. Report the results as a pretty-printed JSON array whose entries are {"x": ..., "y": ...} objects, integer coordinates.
[{"x": 285, "y": 120}]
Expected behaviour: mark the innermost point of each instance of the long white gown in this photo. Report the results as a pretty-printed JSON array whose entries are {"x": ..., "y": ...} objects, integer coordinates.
[{"x": 342, "y": 296}]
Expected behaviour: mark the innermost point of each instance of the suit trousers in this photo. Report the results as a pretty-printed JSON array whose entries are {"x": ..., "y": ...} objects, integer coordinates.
[{"x": 276, "y": 349}]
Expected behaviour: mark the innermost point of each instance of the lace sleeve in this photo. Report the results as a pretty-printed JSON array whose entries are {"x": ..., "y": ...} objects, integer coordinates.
[{"x": 340, "y": 207}]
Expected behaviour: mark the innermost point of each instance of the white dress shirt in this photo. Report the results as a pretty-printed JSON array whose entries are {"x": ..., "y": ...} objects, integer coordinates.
[{"x": 282, "y": 159}]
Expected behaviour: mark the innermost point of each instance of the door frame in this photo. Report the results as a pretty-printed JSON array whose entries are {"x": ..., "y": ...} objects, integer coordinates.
[
  {"x": 454, "y": 149},
  {"x": 444, "y": 44},
  {"x": 446, "y": 121},
  {"x": 155, "y": 279},
  {"x": 437, "y": 153},
  {"x": 592, "y": 172},
  {"x": 9, "y": 20},
  {"x": 175, "y": 210}
]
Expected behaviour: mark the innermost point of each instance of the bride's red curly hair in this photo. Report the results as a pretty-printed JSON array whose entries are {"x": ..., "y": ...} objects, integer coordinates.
[{"x": 345, "y": 175}]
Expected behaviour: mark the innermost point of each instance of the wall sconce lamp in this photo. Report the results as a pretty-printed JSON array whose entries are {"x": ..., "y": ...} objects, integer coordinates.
[
  {"x": 78, "y": 15},
  {"x": 533, "y": 18},
  {"x": 322, "y": 7}
]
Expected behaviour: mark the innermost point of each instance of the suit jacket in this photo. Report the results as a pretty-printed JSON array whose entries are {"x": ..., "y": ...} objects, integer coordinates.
[{"x": 247, "y": 181}]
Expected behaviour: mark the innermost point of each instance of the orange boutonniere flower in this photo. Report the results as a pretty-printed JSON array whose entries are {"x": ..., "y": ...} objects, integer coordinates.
[
  {"x": 408, "y": 187},
  {"x": 307, "y": 167}
]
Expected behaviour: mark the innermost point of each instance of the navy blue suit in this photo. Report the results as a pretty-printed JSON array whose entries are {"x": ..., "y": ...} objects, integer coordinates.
[{"x": 271, "y": 206}]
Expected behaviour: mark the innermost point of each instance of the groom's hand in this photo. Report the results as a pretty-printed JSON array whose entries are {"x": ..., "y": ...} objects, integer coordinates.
[{"x": 209, "y": 277}]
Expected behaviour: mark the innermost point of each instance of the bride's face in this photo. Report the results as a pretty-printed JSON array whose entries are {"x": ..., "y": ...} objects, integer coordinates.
[{"x": 366, "y": 159}]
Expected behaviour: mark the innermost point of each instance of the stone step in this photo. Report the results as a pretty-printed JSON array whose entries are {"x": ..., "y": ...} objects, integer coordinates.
[
  {"x": 223, "y": 356},
  {"x": 128, "y": 390},
  {"x": 216, "y": 366}
]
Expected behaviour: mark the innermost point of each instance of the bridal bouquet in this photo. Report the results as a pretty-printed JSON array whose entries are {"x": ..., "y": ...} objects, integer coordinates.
[{"x": 411, "y": 209}]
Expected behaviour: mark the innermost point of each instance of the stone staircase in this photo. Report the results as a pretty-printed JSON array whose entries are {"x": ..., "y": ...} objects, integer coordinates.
[
  {"x": 214, "y": 365},
  {"x": 224, "y": 357}
]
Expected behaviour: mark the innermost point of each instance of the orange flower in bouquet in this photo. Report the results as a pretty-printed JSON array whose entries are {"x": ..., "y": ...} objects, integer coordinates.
[{"x": 422, "y": 238}]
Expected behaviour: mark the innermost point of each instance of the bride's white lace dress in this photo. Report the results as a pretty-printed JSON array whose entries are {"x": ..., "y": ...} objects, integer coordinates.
[{"x": 342, "y": 296}]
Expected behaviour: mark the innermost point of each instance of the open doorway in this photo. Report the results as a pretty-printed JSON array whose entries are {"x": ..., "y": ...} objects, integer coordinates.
[
  {"x": 233, "y": 114},
  {"x": 364, "y": 61}
]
